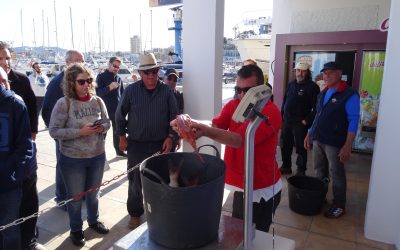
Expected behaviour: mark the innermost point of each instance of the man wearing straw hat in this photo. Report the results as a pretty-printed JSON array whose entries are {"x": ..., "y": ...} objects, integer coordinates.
[{"x": 150, "y": 106}]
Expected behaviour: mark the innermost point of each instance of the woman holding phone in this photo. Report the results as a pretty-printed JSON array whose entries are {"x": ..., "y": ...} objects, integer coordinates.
[{"x": 82, "y": 146}]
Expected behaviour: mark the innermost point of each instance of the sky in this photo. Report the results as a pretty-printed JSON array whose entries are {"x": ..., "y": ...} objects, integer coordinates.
[{"x": 127, "y": 16}]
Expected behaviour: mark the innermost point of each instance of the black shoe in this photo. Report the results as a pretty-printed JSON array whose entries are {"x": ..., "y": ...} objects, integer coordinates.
[
  {"x": 284, "y": 170},
  {"x": 100, "y": 228},
  {"x": 77, "y": 238},
  {"x": 123, "y": 154}
]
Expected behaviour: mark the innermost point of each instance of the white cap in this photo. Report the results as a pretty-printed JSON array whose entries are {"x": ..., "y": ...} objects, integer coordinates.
[{"x": 302, "y": 66}]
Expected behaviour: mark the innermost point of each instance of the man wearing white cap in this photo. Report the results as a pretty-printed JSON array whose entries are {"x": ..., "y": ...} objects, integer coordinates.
[
  {"x": 150, "y": 106},
  {"x": 298, "y": 112}
]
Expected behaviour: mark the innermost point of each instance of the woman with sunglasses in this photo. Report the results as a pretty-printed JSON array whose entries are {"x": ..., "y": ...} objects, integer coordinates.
[{"x": 82, "y": 146}]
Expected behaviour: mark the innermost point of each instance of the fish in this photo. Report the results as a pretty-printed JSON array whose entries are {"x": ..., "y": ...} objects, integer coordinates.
[
  {"x": 179, "y": 180},
  {"x": 185, "y": 131},
  {"x": 174, "y": 171}
]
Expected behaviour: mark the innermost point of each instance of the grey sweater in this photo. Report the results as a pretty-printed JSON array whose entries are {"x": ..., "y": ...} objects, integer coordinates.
[{"x": 66, "y": 121}]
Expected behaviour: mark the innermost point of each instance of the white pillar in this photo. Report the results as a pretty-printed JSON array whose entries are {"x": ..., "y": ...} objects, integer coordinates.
[
  {"x": 202, "y": 36},
  {"x": 382, "y": 221}
]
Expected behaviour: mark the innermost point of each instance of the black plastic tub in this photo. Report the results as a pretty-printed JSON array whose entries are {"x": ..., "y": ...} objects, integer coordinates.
[
  {"x": 183, "y": 217},
  {"x": 306, "y": 194}
]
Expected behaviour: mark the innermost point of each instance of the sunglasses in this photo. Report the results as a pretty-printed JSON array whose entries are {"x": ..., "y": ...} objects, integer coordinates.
[
  {"x": 239, "y": 90},
  {"x": 83, "y": 81},
  {"x": 150, "y": 71},
  {"x": 116, "y": 66}
]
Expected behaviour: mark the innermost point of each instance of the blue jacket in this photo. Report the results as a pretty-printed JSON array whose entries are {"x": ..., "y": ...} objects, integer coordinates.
[
  {"x": 15, "y": 140},
  {"x": 53, "y": 93},
  {"x": 110, "y": 98}
]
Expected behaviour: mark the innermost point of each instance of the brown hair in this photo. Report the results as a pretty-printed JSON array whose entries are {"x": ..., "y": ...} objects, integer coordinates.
[{"x": 69, "y": 81}]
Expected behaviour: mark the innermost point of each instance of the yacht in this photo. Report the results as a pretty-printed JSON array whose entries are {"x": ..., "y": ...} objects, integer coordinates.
[{"x": 253, "y": 40}]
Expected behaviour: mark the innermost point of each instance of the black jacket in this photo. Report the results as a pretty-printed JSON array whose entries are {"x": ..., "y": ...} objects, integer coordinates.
[
  {"x": 299, "y": 101},
  {"x": 53, "y": 93},
  {"x": 21, "y": 85}
]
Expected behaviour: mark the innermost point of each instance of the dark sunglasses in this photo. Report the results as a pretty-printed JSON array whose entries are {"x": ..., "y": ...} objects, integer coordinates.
[
  {"x": 150, "y": 71},
  {"x": 172, "y": 78},
  {"x": 116, "y": 66},
  {"x": 83, "y": 81},
  {"x": 239, "y": 90}
]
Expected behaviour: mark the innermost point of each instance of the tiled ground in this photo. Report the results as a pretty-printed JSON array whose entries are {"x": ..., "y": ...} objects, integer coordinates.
[{"x": 309, "y": 232}]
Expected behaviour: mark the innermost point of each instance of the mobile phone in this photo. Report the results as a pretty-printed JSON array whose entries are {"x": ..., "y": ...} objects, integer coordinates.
[{"x": 100, "y": 121}]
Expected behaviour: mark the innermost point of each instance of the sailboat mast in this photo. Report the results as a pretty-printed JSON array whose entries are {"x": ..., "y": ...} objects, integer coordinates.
[
  {"x": 151, "y": 29},
  {"x": 99, "y": 27},
  {"x": 72, "y": 28},
  {"x": 43, "y": 28},
  {"x": 34, "y": 33},
  {"x": 140, "y": 29},
  {"x": 55, "y": 21},
  {"x": 114, "y": 34},
  {"x": 84, "y": 33},
  {"x": 48, "y": 33},
  {"x": 22, "y": 32}
]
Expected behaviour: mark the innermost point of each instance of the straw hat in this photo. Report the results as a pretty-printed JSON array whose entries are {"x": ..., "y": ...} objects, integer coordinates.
[{"x": 148, "y": 61}]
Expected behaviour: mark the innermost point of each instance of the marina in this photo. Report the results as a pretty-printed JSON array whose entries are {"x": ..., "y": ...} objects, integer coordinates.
[{"x": 207, "y": 78}]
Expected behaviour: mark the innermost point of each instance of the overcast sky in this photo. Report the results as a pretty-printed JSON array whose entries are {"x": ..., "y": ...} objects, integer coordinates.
[{"x": 126, "y": 14}]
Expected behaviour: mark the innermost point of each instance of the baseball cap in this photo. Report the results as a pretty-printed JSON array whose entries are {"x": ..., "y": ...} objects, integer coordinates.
[
  {"x": 302, "y": 66},
  {"x": 171, "y": 72},
  {"x": 331, "y": 65}
]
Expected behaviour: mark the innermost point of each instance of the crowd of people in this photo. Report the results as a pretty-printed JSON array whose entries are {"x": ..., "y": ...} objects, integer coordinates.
[{"x": 79, "y": 108}]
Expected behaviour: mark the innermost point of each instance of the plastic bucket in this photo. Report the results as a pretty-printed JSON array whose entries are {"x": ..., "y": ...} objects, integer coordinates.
[
  {"x": 183, "y": 217},
  {"x": 306, "y": 194}
]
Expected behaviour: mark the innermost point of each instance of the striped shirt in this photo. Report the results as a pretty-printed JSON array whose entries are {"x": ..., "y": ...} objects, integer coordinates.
[{"x": 149, "y": 112}]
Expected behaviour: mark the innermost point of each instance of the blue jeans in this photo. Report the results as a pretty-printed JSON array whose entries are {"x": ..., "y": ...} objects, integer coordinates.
[
  {"x": 10, "y": 202},
  {"x": 61, "y": 193},
  {"x": 81, "y": 174},
  {"x": 325, "y": 159}
]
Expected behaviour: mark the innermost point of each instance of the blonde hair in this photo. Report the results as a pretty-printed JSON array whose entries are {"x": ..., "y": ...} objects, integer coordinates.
[{"x": 70, "y": 76}]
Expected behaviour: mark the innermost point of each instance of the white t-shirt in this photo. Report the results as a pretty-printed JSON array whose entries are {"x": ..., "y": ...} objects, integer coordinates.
[{"x": 39, "y": 83}]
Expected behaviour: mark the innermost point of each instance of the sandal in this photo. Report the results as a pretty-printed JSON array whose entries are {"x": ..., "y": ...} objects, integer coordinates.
[{"x": 334, "y": 212}]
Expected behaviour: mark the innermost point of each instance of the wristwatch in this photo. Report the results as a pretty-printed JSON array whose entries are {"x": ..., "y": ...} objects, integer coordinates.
[{"x": 171, "y": 136}]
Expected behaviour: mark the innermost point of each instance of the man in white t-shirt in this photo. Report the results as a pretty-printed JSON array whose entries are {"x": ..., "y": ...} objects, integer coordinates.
[{"x": 39, "y": 82}]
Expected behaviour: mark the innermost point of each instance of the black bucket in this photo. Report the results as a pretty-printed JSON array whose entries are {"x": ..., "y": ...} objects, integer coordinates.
[
  {"x": 306, "y": 194},
  {"x": 183, "y": 217}
]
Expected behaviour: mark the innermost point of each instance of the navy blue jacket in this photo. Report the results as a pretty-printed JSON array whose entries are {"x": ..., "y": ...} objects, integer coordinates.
[
  {"x": 15, "y": 140},
  {"x": 299, "y": 101},
  {"x": 331, "y": 124},
  {"x": 21, "y": 86},
  {"x": 110, "y": 98},
  {"x": 53, "y": 93}
]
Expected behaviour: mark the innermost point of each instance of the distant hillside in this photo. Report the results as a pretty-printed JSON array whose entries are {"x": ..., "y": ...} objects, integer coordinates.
[{"x": 38, "y": 50}]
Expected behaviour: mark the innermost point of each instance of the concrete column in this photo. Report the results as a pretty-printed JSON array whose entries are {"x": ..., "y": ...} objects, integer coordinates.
[
  {"x": 202, "y": 36},
  {"x": 382, "y": 222}
]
